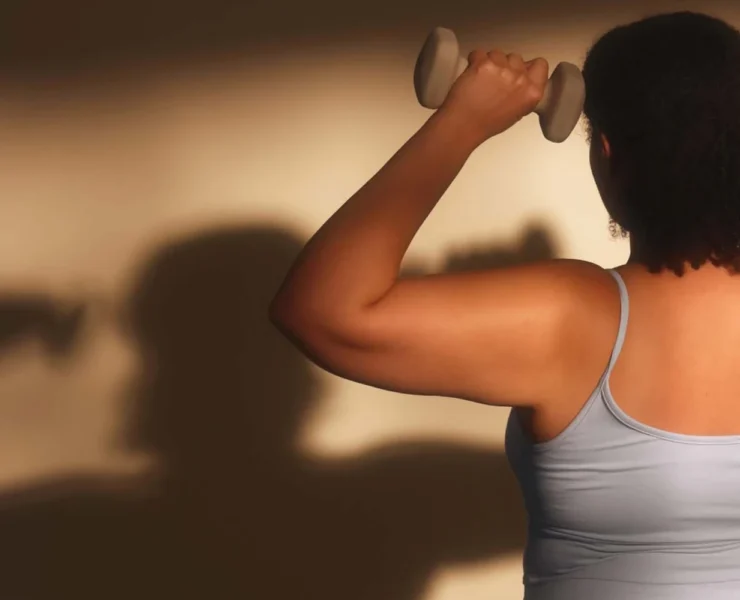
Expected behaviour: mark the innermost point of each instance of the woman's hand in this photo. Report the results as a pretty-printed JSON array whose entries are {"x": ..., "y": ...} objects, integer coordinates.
[{"x": 495, "y": 92}]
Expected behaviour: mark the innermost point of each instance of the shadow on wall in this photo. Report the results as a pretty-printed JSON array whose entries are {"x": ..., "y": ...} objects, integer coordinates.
[
  {"x": 58, "y": 325},
  {"x": 236, "y": 511},
  {"x": 73, "y": 37},
  {"x": 534, "y": 244}
]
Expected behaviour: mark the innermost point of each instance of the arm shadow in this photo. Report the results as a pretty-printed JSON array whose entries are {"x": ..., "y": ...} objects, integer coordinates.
[{"x": 237, "y": 510}]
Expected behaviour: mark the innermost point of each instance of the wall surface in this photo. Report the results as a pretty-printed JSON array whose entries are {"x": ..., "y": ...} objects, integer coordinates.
[{"x": 160, "y": 165}]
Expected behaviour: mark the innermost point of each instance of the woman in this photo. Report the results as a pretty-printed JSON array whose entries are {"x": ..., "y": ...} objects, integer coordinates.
[{"x": 625, "y": 428}]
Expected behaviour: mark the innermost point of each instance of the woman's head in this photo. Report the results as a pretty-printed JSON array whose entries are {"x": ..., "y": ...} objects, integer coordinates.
[{"x": 663, "y": 110}]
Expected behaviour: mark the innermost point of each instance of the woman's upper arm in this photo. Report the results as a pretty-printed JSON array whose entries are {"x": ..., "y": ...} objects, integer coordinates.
[{"x": 507, "y": 337}]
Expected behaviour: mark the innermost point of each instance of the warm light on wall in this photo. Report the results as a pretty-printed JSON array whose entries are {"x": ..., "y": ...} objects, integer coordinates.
[{"x": 92, "y": 186}]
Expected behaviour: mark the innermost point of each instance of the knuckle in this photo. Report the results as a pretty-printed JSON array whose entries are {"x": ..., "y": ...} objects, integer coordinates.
[
  {"x": 487, "y": 66},
  {"x": 477, "y": 56},
  {"x": 498, "y": 56},
  {"x": 543, "y": 63},
  {"x": 473, "y": 56},
  {"x": 535, "y": 93},
  {"x": 508, "y": 75}
]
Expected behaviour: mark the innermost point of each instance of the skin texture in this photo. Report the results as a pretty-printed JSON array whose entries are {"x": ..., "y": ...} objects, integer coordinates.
[{"x": 510, "y": 337}]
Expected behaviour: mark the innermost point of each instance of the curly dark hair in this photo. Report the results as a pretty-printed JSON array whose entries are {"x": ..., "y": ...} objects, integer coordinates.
[{"x": 665, "y": 92}]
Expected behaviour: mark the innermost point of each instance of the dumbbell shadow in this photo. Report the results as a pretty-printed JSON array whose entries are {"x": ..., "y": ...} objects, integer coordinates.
[
  {"x": 534, "y": 244},
  {"x": 57, "y": 324},
  {"x": 237, "y": 509}
]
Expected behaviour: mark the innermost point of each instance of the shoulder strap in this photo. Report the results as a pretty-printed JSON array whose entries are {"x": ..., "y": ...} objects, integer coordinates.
[{"x": 623, "y": 319}]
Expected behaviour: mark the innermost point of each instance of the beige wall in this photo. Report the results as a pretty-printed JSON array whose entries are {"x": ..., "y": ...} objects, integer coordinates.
[{"x": 210, "y": 460}]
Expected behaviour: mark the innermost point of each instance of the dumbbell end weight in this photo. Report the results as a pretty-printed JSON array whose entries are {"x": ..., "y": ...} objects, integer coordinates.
[
  {"x": 439, "y": 64},
  {"x": 561, "y": 107}
]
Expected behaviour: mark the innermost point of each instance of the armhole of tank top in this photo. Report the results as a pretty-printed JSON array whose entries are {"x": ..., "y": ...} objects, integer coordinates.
[{"x": 598, "y": 391}]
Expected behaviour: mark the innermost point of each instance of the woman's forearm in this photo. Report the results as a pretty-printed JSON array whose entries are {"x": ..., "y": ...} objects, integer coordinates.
[{"x": 355, "y": 258}]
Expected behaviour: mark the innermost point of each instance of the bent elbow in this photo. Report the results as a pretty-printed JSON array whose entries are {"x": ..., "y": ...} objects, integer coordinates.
[
  {"x": 287, "y": 316},
  {"x": 298, "y": 319},
  {"x": 319, "y": 333}
]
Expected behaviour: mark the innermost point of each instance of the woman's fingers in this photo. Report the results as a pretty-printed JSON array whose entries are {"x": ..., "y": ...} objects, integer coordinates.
[{"x": 516, "y": 62}]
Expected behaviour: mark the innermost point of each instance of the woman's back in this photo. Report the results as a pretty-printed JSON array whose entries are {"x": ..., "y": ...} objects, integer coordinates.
[{"x": 634, "y": 492}]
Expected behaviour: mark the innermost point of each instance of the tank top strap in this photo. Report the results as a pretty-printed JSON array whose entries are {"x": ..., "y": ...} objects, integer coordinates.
[{"x": 623, "y": 318}]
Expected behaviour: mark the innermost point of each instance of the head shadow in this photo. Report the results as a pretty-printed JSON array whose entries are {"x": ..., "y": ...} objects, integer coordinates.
[{"x": 236, "y": 509}]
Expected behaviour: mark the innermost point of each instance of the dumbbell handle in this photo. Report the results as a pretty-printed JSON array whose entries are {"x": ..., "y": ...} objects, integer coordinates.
[
  {"x": 543, "y": 106},
  {"x": 440, "y": 64}
]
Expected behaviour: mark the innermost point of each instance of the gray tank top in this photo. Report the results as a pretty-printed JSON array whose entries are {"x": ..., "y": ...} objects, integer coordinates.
[{"x": 619, "y": 510}]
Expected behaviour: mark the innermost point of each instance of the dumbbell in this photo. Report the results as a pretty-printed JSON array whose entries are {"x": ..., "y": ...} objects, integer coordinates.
[{"x": 440, "y": 63}]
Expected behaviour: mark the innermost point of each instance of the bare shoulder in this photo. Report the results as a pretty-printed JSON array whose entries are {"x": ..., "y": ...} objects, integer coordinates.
[
  {"x": 573, "y": 275},
  {"x": 587, "y": 300},
  {"x": 593, "y": 293},
  {"x": 582, "y": 306},
  {"x": 570, "y": 293}
]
